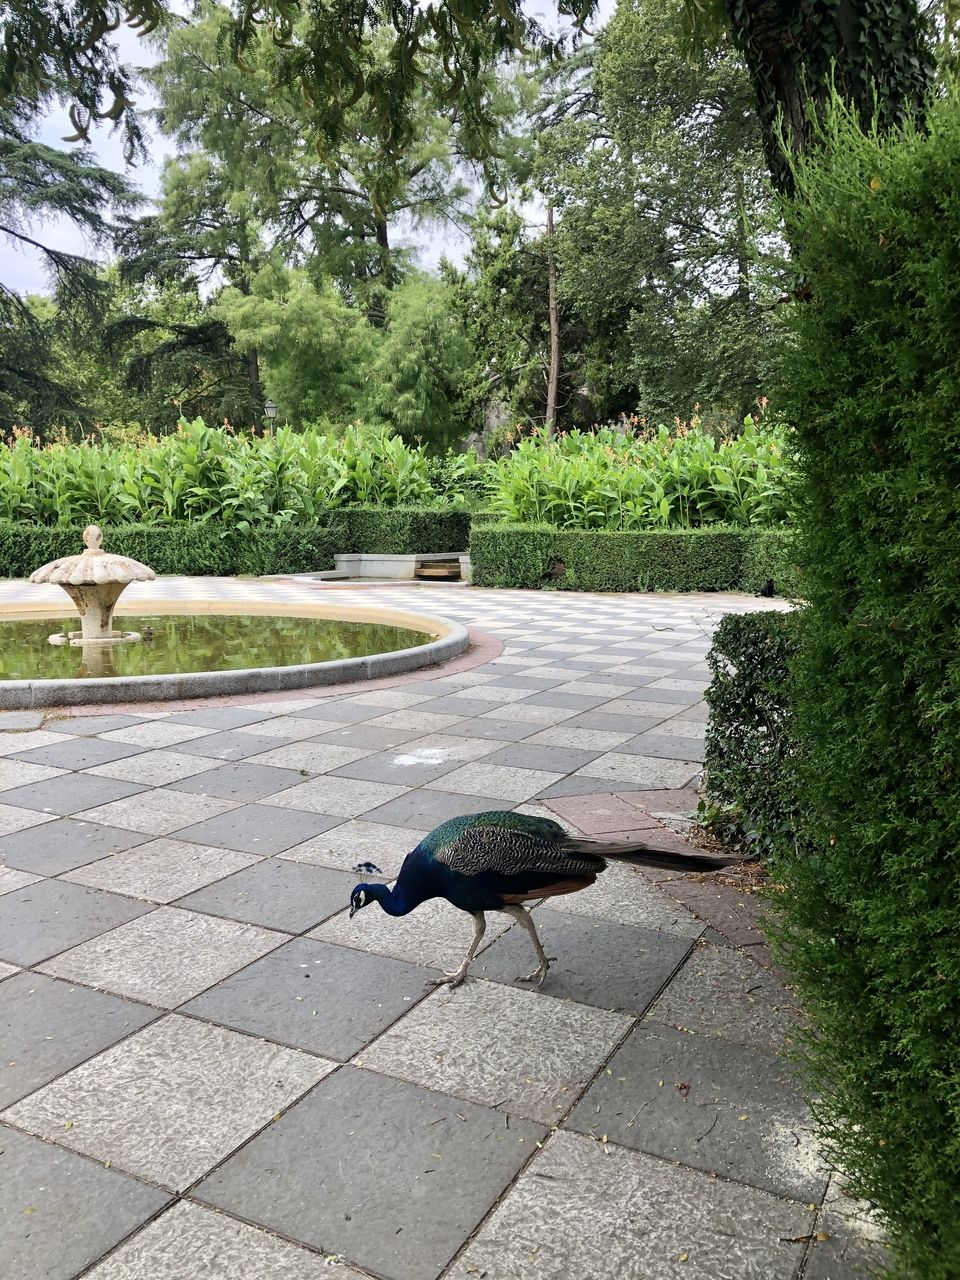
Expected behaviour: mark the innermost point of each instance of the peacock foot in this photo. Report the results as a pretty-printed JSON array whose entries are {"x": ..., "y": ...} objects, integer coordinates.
[
  {"x": 448, "y": 979},
  {"x": 538, "y": 974}
]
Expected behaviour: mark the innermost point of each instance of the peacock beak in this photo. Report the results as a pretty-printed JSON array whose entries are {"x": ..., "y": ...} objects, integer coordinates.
[{"x": 353, "y": 910}]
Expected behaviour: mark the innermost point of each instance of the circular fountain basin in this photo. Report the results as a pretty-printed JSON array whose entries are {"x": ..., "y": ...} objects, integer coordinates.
[{"x": 212, "y": 648}]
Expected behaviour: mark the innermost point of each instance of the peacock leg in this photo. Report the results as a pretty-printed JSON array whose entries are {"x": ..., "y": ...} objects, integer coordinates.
[
  {"x": 454, "y": 979},
  {"x": 523, "y": 918}
]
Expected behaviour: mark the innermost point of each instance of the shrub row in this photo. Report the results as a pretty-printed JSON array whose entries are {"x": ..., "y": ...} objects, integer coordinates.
[
  {"x": 198, "y": 549},
  {"x": 707, "y": 559},
  {"x": 404, "y": 531}
]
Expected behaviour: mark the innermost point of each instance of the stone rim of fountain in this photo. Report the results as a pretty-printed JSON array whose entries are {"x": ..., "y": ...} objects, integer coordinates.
[{"x": 94, "y": 580}]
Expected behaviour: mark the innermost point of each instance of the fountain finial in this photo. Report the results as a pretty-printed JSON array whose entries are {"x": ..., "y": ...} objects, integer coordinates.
[{"x": 94, "y": 581}]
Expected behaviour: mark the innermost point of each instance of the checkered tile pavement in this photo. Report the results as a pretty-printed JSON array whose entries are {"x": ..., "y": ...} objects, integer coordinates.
[{"x": 208, "y": 1069}]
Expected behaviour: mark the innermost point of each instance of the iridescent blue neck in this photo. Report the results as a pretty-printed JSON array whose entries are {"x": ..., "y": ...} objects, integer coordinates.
[{"x": 394, "y": 901}]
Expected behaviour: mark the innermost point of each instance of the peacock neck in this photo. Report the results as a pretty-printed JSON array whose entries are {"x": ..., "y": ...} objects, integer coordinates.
[{"x": 396, "y": 901}]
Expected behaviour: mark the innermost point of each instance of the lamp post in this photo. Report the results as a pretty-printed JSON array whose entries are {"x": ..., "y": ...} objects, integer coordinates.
[{"x": 270, "y": 411}]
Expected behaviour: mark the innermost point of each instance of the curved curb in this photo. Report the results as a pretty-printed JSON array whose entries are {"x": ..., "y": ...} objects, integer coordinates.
[{"x": 20, "y": 694}]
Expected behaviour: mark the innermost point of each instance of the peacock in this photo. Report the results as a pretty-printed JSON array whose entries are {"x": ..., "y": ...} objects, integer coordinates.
[{"x": 496, "y": 861}]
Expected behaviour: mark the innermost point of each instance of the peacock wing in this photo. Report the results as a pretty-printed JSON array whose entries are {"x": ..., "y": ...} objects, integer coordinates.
[{"x": 540, "y": 847}]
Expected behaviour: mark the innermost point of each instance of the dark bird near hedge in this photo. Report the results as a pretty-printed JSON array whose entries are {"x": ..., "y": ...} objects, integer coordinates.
[{"x": 497, "y": 861}]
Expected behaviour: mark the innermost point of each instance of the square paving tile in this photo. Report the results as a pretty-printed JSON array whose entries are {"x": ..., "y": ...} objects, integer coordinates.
[
  {"x": 10, "y": 743},
  {"x": 15, "y": 772},
  {"x": 536, "y": 755},
  {"x": 339, "y": 711},
  {"x": 157, "y": 733},
  {"x": 356, "y": 841},
  {"x": 160, "y": 870},
  {"x": 435, "y": 935},
  {"x": 41, "y": 919},
  {"x": 682, "y": 727},
  {"x": 59, "y": 1212},
  {"x": 626, "y": 896},
  {"x": 165, "y": 957},
  {"x": 157, "y": 812},
  {"x": 666, "y": 746},
  {"x": 155, "y": 768},
  {"x": 578, "y": 785},
  {"x": 364, "y": 737},
  {"x": 723, "y": 1107},
  {"x": 11, "y": 879},
  {"x": 79, "y": 753},
  {"x": 425, "y": 808},
  {"x": 189, "y": 1236},
  {"x": 424, "y": 721},
  {"x": 310, "y": 757},
  {"x": 499, "y": 731},
  {"x": 291, "y": 896},
  {"x": 595, "y": 962},
  {"x": 258, "y": 828},
  {"x": 47, "y": 1026},
  {"x": 495, "y": 782},
  {"x": 644, "y": 771},
  {"x": 242, "y": 781},
  {"x": 82, "y": 725},
  {"x": 231, "y": 744},
  {"x": 602, "y": 722},
  {"x": 221, "y": 717},
  {"x": 457, "y": 705},
  {"x": 69, "y": 793},
  {"x": 20, "y": 720},
  {"x": 63, "y": 845},
  {"x": 13, "y": 819},
  {"x": 721, "y": 992},
  {"x": 171, "y": 1101},
  {"x": 402, "y": 1213},
  {"x": 409, "y": 766},
  {"x": 311, "y": 995},
  {"x": 639, "y": 708},
  {"x": 500, "y": 1046},
  {"x": 851, "y": 1250},
  {"x": 284, "y": 729},
  {"x": 600, "y": 813},
  {"x": 585, "y": 1209},
  {"x": 338, "y": 797}
]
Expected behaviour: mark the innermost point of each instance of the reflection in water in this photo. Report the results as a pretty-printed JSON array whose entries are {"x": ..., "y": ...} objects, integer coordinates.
[{"x": 194, "y": 642}]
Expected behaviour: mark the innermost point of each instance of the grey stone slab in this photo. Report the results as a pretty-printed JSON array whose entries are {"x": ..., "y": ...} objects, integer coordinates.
[
  {"x": 309, "y": 757},
  {"x": 659, "y": 695},
  {"x": 356, "y": 841},
  {"x": 721, "y": 992},
  {"x": 341, "y": 712},
  {"x": 311, "y": 995},
  {"x": 853, "y": 1250},
  {"x": 221, "y": 717},
  {"x": 69, "y": 793},
  {"x": 530, "y": 755},
  {"x": 648, "y": 772},
  {"x": 607, "y": 723},
  {"x": 336, "y": 796},
  {"x": 63, "y": 845},
  {"x": 164, "y": 958},
  {"x": 190, "y": 1241},
  {"x": 366, "y": 737},
  {"x": 8, "y": 970},
  {"x": 576, "y": 784},
  {"x": 512, "y": 730},
  {"x": 151, "y": 734},
  {"x": 13, "y": 819},
  {"x": 78, "y": 753},
  {"x": 425, "y": 809},
  {"x": 408, "y": 766},
  {"x": 231, "y": 744},
  {"x": 569, "y": 701},
  {"x": 495, "y": 783},
  {"x": 59, "y": 1213},
  {"x": 85, "y": 725},
  {"x": 20, "y": 720},
  {"x": 435, "y": 935},
  {"x": 161, "y": 870},
  {"x": 666, "y": 746},
  {"x": 461, "y": 706},
  {"x": 256, "y": 828},
  {"x": 624, "y": 895},
  {"x": 171, "y": 1101},
  {"x": 243, "y": 782},
  {"x": 596, "y": 962},
  {"x": 50, "y": 916},
  {"x": 500, "y": 1046},
  {"x": 21, "y": 773},
  {"x": 11, "y": 879},
  {"x": 158, "y": 812},
  {"x": 155, "y": 767},
  {"x": 585, "y": 1209},
  {"x": 402, "y": 1212},
  {"x": 722, "y": 1107},
  {"x": 48, "y": 1026},
  {"x": 291, "y": 896}
]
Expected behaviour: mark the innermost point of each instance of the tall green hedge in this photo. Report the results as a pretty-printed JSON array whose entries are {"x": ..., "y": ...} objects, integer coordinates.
[
  {"x": 530, "y": 556},
  {"x": 405, "y": 531},
  {"x": 872, "y": 915}
]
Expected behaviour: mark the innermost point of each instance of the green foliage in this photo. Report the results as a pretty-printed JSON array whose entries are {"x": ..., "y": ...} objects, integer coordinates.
[
  {"x": 404, "y": 531},
  {"x": 872, "y": 912},
  {"x": 750, "y": 764},
  {"x": 773, "y": 555},
  {"x": 653, "y": 479},
  {"x": 532, "y": 556}
]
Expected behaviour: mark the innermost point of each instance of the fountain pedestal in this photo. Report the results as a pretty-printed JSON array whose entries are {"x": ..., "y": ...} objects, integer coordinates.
[{"x": 94, "y": 581}]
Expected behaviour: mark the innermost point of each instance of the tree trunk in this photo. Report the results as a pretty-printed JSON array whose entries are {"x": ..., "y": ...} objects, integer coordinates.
[
  {"x": 879, "y": 57},
  {"x": 553, "y": 379}
]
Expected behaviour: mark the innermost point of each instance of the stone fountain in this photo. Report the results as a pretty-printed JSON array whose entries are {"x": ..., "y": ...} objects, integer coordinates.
[{"x": 94, "y": 581}]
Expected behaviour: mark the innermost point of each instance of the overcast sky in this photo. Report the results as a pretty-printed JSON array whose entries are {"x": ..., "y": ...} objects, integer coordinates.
[{"x": 22, "y": 268}]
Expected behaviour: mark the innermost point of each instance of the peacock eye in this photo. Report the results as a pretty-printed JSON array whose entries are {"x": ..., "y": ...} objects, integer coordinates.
[{"x": 361, "y": 899}]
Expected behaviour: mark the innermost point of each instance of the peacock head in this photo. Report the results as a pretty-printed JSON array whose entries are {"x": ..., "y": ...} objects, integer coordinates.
[{"x": 362, "y": 896}]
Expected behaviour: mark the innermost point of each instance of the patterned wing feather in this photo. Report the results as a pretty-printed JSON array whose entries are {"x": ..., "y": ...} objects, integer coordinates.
[{"x": 516, "y": 850}]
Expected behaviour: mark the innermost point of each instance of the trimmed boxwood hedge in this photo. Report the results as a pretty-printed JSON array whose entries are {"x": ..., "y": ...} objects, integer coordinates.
[
  {"x": 772, "y": 556},
  {"x": 404, "y": 531},
  {"x": 525, "y": 556},
  {"x": 198, "y": 549}
]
